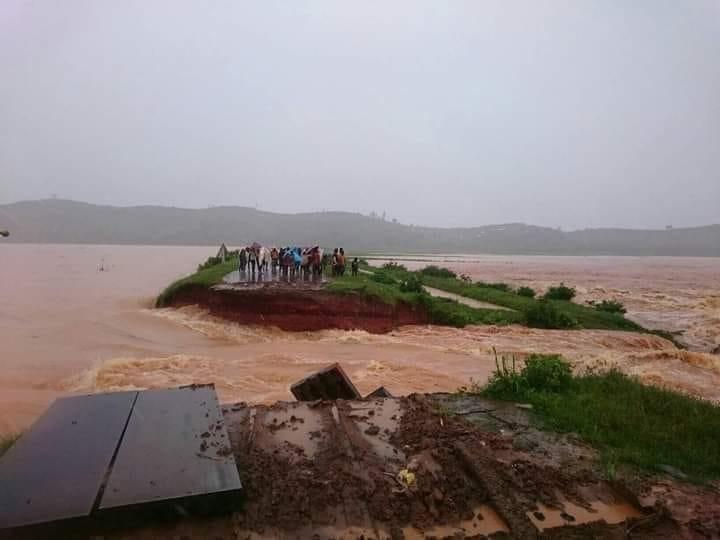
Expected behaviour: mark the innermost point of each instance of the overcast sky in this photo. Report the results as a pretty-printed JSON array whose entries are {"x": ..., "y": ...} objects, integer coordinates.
[{"x": 567, "y": 113}]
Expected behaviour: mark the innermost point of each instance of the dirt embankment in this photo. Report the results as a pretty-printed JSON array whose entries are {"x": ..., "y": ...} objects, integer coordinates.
[{"x": 301, "y": 310}]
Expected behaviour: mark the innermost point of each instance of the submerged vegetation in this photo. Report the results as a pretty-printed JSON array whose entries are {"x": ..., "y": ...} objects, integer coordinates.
[{"x": 629, "y": 422}]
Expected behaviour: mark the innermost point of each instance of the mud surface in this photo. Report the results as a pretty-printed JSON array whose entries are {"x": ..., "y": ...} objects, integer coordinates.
[
  {"x": 425, "y": 466},
  {"x": 335, "y": 469},
  {"x": 299, "y": 309}
]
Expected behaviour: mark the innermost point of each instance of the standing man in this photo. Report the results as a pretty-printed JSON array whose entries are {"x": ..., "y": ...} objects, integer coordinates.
[
  {"x": 243, "y": 260},
  {"x": 341, "y": 262},
  {"x": 252, "y": 259}
]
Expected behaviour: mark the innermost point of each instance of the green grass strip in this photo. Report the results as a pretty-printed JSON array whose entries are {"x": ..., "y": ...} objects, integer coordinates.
[
  {"x": 629, "y": 422},
  {"x": 206, "y": 278}
]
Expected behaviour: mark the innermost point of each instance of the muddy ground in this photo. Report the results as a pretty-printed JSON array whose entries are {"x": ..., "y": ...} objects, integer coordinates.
[
  {"x": 431, "y": 466},
  {"x": 480, "y": 470}
]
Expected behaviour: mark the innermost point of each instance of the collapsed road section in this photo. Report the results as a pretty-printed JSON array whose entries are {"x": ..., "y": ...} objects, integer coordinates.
[
  {"x": 299, "y": 309},
  {"x": 404, "y": 468},
  {"x": 421, "y": 466}
]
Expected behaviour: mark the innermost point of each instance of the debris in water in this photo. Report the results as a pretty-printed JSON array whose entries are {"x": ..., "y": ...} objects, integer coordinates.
[{"x": 328, "y": 383}]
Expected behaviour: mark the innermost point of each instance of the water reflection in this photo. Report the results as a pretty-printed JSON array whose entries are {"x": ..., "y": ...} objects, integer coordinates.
[{"x": 274, "y": 275}]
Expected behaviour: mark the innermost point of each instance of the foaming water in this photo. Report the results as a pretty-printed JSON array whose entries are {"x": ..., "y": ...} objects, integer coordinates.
[
  {"x": 199, "y": 320},
  {"x": 118, "y": 374},
  {"x": 67, "y": 328}
]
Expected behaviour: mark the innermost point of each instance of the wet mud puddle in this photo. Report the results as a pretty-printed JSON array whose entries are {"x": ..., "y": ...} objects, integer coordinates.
[{"x": 399, "y": 468}]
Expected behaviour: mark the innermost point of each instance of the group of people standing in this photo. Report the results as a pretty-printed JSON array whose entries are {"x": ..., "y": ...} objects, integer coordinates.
[{"x": 293, "y": 261}]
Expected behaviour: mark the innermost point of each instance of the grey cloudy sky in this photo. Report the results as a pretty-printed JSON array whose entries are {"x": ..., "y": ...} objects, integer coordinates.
[{"x": 568, "y": 113}]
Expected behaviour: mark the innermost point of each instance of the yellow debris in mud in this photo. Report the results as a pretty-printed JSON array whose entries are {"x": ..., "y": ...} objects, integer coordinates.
[{"x": 406, "y": 477}]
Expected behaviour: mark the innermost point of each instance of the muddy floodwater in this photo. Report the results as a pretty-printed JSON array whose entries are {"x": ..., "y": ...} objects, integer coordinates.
[{"x": 67, "y": 327}]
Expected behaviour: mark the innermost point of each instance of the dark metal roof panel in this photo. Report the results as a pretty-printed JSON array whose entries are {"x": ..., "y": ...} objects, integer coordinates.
[
  {"x": 175, "y": 446},
  {"x": 55, "y": 470}
]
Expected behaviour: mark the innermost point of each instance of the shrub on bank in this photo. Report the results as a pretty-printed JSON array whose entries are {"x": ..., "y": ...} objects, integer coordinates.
[
  {"x": 527, "y": 292},
  {"x": 547, "y": 372},
  {"x": 541, "y": 373},
  {"x": 544, "y": 314},
  {"x": 560, "y": 292},
  {"x": 411, "y": 284},
  {"x": 446, "y": 312},
  {"x": 610, "y": 306},
  {"x": 504, "y": 287},
  {"x": 437, "y": 271},
  {"x": 383, "y": 277}
]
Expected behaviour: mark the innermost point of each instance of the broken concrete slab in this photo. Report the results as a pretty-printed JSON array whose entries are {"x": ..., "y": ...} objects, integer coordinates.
[{"x": 328, "y": 383}]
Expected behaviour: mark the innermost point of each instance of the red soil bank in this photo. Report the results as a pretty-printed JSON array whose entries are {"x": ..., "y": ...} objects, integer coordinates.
[{"x": 301, "y": 310}]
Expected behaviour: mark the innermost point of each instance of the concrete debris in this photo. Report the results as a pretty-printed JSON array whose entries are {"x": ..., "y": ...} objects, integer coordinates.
[
  {"x": 380, "y": 392},
  {"x": 329, "y": 383}
]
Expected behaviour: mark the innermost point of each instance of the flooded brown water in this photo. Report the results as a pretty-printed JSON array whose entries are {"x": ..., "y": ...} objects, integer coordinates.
[{"x": 66, "y": 327}]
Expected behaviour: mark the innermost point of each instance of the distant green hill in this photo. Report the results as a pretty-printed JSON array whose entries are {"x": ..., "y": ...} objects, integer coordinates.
[{"x": 61, "y": 221}]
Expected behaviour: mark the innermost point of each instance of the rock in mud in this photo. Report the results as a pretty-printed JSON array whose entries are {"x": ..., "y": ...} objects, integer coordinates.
[
  {"x": 524, "y": 443},
  {"x": 372, "y": 430}
]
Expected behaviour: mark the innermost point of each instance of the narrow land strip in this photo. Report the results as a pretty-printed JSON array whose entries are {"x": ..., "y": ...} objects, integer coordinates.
[{"x": 477, "y": 304}]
